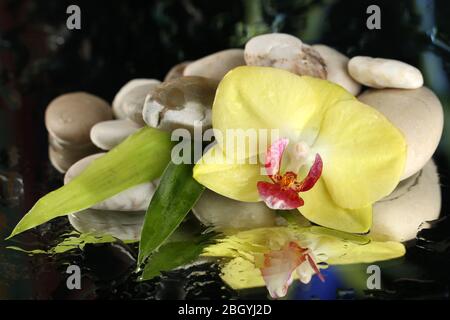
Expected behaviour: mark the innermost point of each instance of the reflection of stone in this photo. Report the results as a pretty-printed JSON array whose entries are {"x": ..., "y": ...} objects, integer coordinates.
[
  {"x": 119, "y": 224},
  {"x": 415, "y": 200},
  {"x": 11, "y": 188}
]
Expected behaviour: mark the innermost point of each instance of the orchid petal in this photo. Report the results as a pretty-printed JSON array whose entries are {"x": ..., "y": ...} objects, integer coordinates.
[
  {"x": 313, "y": 175},
  {"x": 320, "y": 208},
  {"x": 256, "y": 98},
  {"x": 364, "y": 154},
  {"x": 277, "y": 198},
  {"x": 235, "y": 181}
]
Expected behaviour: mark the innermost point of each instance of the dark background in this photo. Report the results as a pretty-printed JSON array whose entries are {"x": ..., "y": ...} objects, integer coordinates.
[{"x": 120, "y": 40}]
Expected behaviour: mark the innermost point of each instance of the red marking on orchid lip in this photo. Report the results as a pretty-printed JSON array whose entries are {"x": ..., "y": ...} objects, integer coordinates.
[
  {"x": 278, "y": 198},
  {"x": 282, "y": 193}
]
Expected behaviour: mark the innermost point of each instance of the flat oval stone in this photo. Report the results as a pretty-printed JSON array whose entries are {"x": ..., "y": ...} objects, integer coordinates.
[
  {"x": 181, "y": 103},
  {"x": 415, "y": 200},
  {"x": 71, "y": 116},
  {"x": 418, "y": 114},
  {"x": 216, "y": 65},
  {"x": 336, "y": 64},
  {"x": 119, "y": 224},
  {"x": 108, "y": 134},
  {"x": 176, "y": 71},
  {"x": 129, "y": 101},
  {"x": 286, "y": 52},
  {"x": 384, "y": 73},
  {"x": 221, "y": 212},
  {"x": 61, "y": 145},
  {"x": 63, "y": 159},
  {"x": 134, "y": 199}
]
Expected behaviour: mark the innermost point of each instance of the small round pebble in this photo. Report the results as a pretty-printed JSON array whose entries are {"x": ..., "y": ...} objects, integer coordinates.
[
  {"x": 176, "y": 71},
  {"x": 286, "y": 52},
  {"x": 336, "y": 64},
  {"x": 181, "y": 103},
  {"x": 384, "y": 73},
  {"x": 71, "y": 116},
  {"x": 63, "y": 159},
  {"x": 108, "y": 134},
  {"x": 129, "y": 100},
  {"x": 216, "y": 65}
]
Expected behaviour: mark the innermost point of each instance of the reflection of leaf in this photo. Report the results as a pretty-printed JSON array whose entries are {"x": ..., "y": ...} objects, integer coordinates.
[
  {"x": 354, "y": 238},
  {"x": 173, "y": 199},
  {"x": 73, "y": 240},
  {"x": 142, "y": 157},
  {"x": 173, "y": 255}
]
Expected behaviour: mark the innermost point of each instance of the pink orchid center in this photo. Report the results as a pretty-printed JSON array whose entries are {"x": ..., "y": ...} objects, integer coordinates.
[{"x": 283, "y": 192}]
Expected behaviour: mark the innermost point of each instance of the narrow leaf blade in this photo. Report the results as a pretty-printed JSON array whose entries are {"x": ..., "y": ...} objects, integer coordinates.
[
  {"x": 175, "y": 196},
  {"x": 140, "y": 158},
  {"x": 171, "y": 256}
]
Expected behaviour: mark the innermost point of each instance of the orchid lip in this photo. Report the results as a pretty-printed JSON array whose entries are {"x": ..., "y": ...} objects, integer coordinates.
[
  {"x": 279, "y": 265},
  {"x": 282, "y": 192}
]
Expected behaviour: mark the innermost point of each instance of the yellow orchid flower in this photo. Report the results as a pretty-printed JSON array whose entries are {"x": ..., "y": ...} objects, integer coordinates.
[
  {"x": 354, "y": 155},
  {"x": 275, "y": 256}
]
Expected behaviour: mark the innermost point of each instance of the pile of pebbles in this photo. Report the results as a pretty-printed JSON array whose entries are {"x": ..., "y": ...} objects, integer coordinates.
[{"x": 79, "y": 124}]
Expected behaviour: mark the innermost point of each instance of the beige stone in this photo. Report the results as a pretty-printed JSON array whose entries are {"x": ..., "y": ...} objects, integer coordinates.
[
  {"x": 414, "y": 201},
  {"x": 71, "y": 116},
  {"x": 216, "y": 65},
  {"x": 384, "y": 73},
  {"x": 286, "y": 52},
  {"x": 108, "y": 134},
  {"x": 336, "y": 64}
]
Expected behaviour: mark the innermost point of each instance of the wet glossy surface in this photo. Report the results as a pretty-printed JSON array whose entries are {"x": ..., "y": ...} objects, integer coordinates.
[{"x": 40, "y": 59}]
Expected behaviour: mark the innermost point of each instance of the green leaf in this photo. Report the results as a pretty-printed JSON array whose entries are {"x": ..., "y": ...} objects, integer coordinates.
[
  {"x": 142, "y": 157},
  {"x": 173, "y": 199},
  {"x": 172, "y": 255}
]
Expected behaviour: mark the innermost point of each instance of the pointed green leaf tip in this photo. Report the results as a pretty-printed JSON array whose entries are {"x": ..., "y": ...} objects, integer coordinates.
[
  {"x": 140, "y": 158},
  {"x": 177, "y": 193}
]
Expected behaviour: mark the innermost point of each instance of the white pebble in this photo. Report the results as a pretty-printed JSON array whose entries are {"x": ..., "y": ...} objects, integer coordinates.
[
  {"x": 384, "y": 73},
  {"x": 337, "y": 72},
  {"x": 108, "y": 134},
  {"x": 216, "y": 65}
]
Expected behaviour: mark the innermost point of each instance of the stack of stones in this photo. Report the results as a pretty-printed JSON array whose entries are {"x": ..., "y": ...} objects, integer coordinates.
[
  {"x": 69, "y": 119},
  {"x": 184, "y": 100}
]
